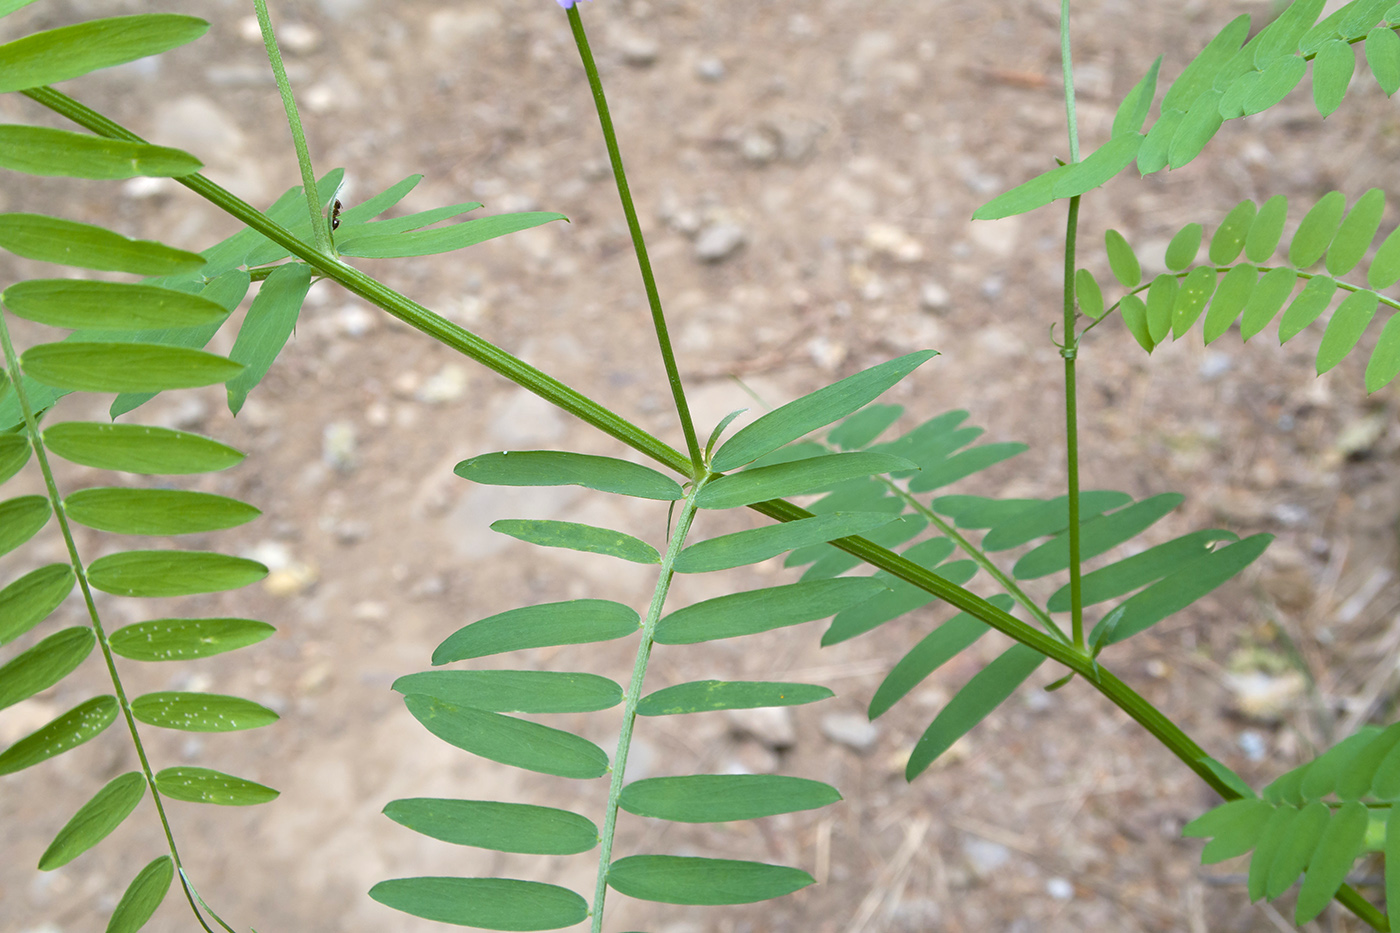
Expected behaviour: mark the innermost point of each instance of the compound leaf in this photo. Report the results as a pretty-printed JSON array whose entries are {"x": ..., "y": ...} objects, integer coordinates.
[
  {"x": 510, "y": 741},
  {"x": 674, "y": 879},
  {"x": 1361, "y": 770},
  {"x": 1297, "y": 849},
  {"x": 1307, "y": 307},
  {"x": 1332, "y": 70},
  {"x": 1336, "y": 851},
  {"x": 128, "y": 511},
  {"x": 1152, "y": 154},
  {"x": 269, "y": 323},
  {"x": 1348, "y": 323},
  {"x": 563, "y": 468},
  {"x": 84, "y": 303},
  {"x": 1236, "y": 826},
  {"x": 573, "y": 622},
  {"x": 69, "y": 51},
  {"x": 503, "y": 827},
  {"x": 1048, "y": 517},
  {"x": 95, "y": 820},
  {"x": 703, "y": 696},
  {"x": 381, "y": 202},
  {"x": 44, "y": 665},
  {"x": 486, "y": 903},
  {"x": 1267, "y": 298},
  {"x": 137, "y": 448},
  {"x": 1275, "y": 83},
  {"x": 442, "y": 239},
  {"x": 53, "y": 239},
  {"x": 1096, "y": 536},
  {"x": 1099, "y": 167},
  {"x": 760, "y": 544},
  {"x": 200, "y": 712},
  {"x": 1161, "y": 299},
  {"x": 516, "y": 691},
  {"x": 142, "y": 896},
  {"x": 202, "y": 785},
  {"x": 1276, "y": 831},
  {"x": 718, "y": 798},
  {"x": 185, "y": 639},
  {"x": 1025, "y": 197},
  {"x": 1200, "y": 74},
  {"x": 64, "y": 732},
  {"x": 756, "y": 611},
  {"x": 172, "y": 573},
  {"x": 1139, "y": 570},
  {"x": 964, "y": 464},
  {"x": 1230, "y": 299},
  {"x": 1317, "y": 230},
  {"x": 1197, "y": 127},
  {"x": 1229, "y": 239},
  {"x": 29, "y": 600}
]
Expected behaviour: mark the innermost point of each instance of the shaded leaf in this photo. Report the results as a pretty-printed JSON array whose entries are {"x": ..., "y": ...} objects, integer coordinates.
[
  {"x": 128, "y": 511},
  {"x": 137, "y": 448},
  {"x": 1318, "y": 228},
  {"x": 1383, "y": 58},
  {"x": 756, "y": 611},
  {"x": 202, "y": 785},
  {"x": 1134, "y": 109},
  {"x": 1122, "y": 260},
  {"x": 172, "y": 573},
  {"x": 142, "y": 896},
  {"x": 1385, "y": 266},
  {"x": 510, "y": 741},
  {"x": 14, "y": 454},
  {"x": 486, "y": 903},
  {"x": 1266, "y": 230},
  {"x": 1097, "y": 535},
  {"x": 266, "y": 328},
  {"x": 1385, "y": 359},
  {"x": 814, "y": 410},
  {"x": 1139, "y": 570},
  {"x": 1307, "y": 307},
  {"x": 20, "y": 519},
  {"x": 1230, "y": 299},
  {"x": 1392, "y": 859},
  {"x": 124, "y": 367},
  {"x": 184, "y": 639},
  {"x": 1200, "y": 74},
  {"x": 1332, "y": 70},
  {"x": 29, "y": 600},
  {"x": 1356, "y": 232},
  {"x": 200, "y": 712},
  {"x": 1161, "y": 299},
  {"x": 835, "y": 562},
  {"x": 575, "y": 622},
  {"x": 760, "y": 544},
  {"x": 1276, "y": 831},
  {"x": 1236, "y": 826},
  {"x": 577, "y": 537},
  {"x": 53, "y": 239},
  {"x": 40, "y": 150},
  {"x": 1275, "y": 83},
  {"x": 64, "y": 732},
  {"x": 794, "y": 478},
  {"x": 1196, "y": 290},
  {"x": 964, "y": 464},
  {"x": 350, "y": 230},
  {"x": 1336, "y": 851},
  {"x": 442, "y": 239},
  {"x": 109, "y": 305},
  {"x": 703, "y": 696},
  {"x": 1152, "y": 154},
  {"x": 44, "y": 665},
  {"x": 1197, "y": 127},
  {"x": 860, "y": 429},
  {"x": 95, "y": 820},
  {"x": 515, "y": 691},
  {"x": 1099, "y": 167},
  {"x": 987, "y": 690},
  {"x": 1348, "y": 323},
  {"x": 504, "y": 827},
  {"x": 1267, "y": 298},
  {"x": 69, "y": 51},
  {"x": 719, "y": 798},
  {"x": 1228, "y": 241},
  {"x": 674, "y": 879},
  {"x": 381, "y": 202},
  {"x": 1355, "y": 782},
  {"x": 1297, "y": 849},
  {"x": 561, "y": 468},
  {"x": 884, "y": 607},
  {"x": 1048, "y": 517}
]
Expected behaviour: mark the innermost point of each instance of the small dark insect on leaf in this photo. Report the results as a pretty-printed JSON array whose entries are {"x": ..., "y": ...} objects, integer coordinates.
[{"x": 335, "y": 214}]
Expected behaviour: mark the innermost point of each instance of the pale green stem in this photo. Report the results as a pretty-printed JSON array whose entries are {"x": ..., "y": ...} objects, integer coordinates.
[{"x": 1070, "y": 351}]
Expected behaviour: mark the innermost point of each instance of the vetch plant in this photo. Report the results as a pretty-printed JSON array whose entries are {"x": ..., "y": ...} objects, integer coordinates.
[{"x": 883, "y": 502}]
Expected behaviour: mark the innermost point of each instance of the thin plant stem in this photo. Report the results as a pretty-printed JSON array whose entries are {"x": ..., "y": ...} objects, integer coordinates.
[
  {"x": 634, "y": 695},
  {"x": 634, "y": 227},
  {"x": 320, "y": 230},
  {"x": 1067, "y": 69}
]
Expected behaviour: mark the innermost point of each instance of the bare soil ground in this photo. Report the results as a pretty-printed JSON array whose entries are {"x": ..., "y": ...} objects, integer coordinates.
[{"x": 843, "y": 144}]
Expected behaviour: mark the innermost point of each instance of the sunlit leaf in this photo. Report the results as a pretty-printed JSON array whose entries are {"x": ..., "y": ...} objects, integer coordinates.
[
  {"x": 1317, "y": 230},
  {"x": 574, "y": 622},
  {"x": 78, "y": 303},
  {"x": 1355, "y": 781},
  {"x": 759, "y": 544},
  {"x": 1280, "y": 38},
  {"x": 561, "y": 468},
  {"x": 1236, "y": 826},
  {"x": 202, "y": 785},
  {"x": 719, "y": 798},
  {"x": 578, "y": 537},
  {"x": 1196, "y": 290},
  {"x": 1122, "y": 260},
  {"x": 1383, "y": 58},
  {"x": 817, "y": 409},
  {"x": 1385, "y": 359},
  {"x": 67, "y": 731},
  {"x": 516, "y": 691},
  {"x": 1099, "y": 167},
  {"x": 1348, "y": 323},
  {"x": 137, "y": 448},
  {"x": 1152, "y": 154},
  {"x": 485, "y": 903},
  {"x": 703, "y": 696},
  {"x": 964, "y": 464},
  {"x": 761, "y": 610},
  {"x": 53, "y": 239},
  {"x": 20, "y": 519},
  {"x": 510, "y": 741},
  {"x": 1265, "y": 301},
  {"x": 172, "y": 573},
  {"x": 184, "y": 639},
  {"x": 1228, "y": 241},
  {"x": 29, "y": 600},
  {"x": 1134, "y": 313},
  {"x": 266, "y": 328},
  {"x": 1134, "y": 109},
  {"x": 860, "y": 429},
  {"x": 1230, "y": 299},
  {"x": 142, "y": 896},
  {"x": 1332, "y": 70},
  {"x": 1297, "y": 849},
  {"x": 1136, "y": 571},
  {"x": 1200, "y": 74},
  {"x": 674, "y": 879},
  {"x": 1336, "y": 851},
  {"x": 132, "y": 511},
  {"x": 40, "y": 150},
  {"x": 124, "y": 367},
  {"x": 1310, "y": 303},
  {"x": 504, "y": 827},
  {"x": 1385, "y": 266},
  {"x": 381, "y": 202},
  {"x": 1266, "y": 230},
  {"x": 95, "y": 820},
  {"x": 69, "y": 51},
  {"x": 1357, "y": 231},
  {"x": 1197, "y": 127},
  {"x": 200, "y": 712},
  {"x": 794, "y": 478},
  {"x": 44, "y": 665},
  {"x": 987, "y": 690},
  {"x": 1025, "y": 197},
  {"x": 1161, "y": 299},
  {"x": 441, "y": 239},
  {"x": 1276, "y": 832},
  {"x": 1088, "y": 294}
]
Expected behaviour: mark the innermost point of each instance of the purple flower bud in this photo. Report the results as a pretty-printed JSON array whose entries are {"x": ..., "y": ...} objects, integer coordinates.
[{"x": 567, "y": 4}]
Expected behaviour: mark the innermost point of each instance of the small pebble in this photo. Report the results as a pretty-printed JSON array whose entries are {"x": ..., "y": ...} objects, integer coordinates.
[
  {"x": 710, "y": 69},
  {"x": 718, "y": 242},
  {"x": 1254, "y": 746},
  {"x": 851, "y": 730},
  {"x": 934, "y": 297},
  {"x": 772, "y": 725},
  {"x": 1059, "y": 888}
]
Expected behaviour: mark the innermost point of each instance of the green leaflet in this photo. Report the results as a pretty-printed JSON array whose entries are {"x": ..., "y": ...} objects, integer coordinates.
[
  {"x": 1236, "y": 826},
  {"x": 1331, "y": 26},
  {"x": 1229, "y": 777},
  {"x": 1385, "y": 266},
  {"x": 1097, "y": 535},
  {"x": 1392, "y": 859},
  {"x": 142, "y": 896},
  {"x": 95, "y": 820},
  {"x": 932, "y": 652},
  {"x": 128, "y": 511},
  {"x": 574, "y": 622},
  {"x": 1200, "y": 74},
  {"x": 832, "y": 562},
  {"x": 1267, "y": 298},
  {"x": 1196, "y": 290},
  {"x": 269, "y": 323},
  {"x": 136, "y": 448},
  {"x": 703, "y": 696},
  {"x": 9, "y": 6},
  {"x": 1161, "y": 299},
  {"x": 1134, "y": 109},
  {"x": 718, "y": 798},
  {"x": 1099, "y": 167},
  {"x": 1275, "y": 83},
  {"x": 124, "y": 367},
  {"x": 1348, "y": 323},
  {"x": 1229, "y": 239},
  {"x": 1152, "y": 154},
  {"x": 978, "y": 697},
  {"x": 1385, "y": 359},
  {"x": 202, "y": 785},
  {"x": 963, "y": 464},
  {"x": 1276, "y": 831},
  {"x": 14, "y": 454},
  {"x": 1297, "y": 849},
  {"x": 1088, "y": 294},
  {"x": 1332, "y": 70},
  {"x": 1139, "y": 570},
  {"x": 1179, "y": 590},
  {"x": 1230, "y": 299},
  {"x": 673, "y": 879},
  {"x": 172, "y": 573},
  {"x": 1023, "y": 525},
  {"x": 44, "y": 665},
  {"x": 1356, "y": 232},
  {"x": 561, "y": 468},
  {"x": 487, "y": 903},
  {"x": 1321, "y": 774},
  {"x": 1307, "y": 307},
  {"x": 53, "y": 239},
  {"x": 1331, "y": 860},
  {"x": 812, "y": 411},
  {"x": 760, "y": 544},
  {"x": 29, "y": 600},
  {"x": 290, "y": 212},
  {"x": 39, "y": 150},
  {"x": 67, "y": 52},
  {"x": 883, "y": 607},
  {"x": 761, "y": 610},
  {"x": 78, "y": 303},
  {"x": 1365, "y": 766},
  {"x": 860, "y": 429},
  {"x": 578, "y": 537},
  {"x": 1025, "y": 197},
  {"x": 794, "y": 478},
  {"x": 351, "y": 230},
  {"x": 504, "y": 827},
  {"x": 1266, "y": 230},
  {"x": 515, "y": 691},
  {"x": 200, "y": 712},
  {"x": 67, "y": 731},
  {"x": 380, "y": 203},
  {"x": 1184, "y": 246},
  {"x": 20, "y": 519},
  {"x": 184, "y": 639},
  {"x": 1134, "y": 313},
  {"x": 1383, "y": 58},
  {"x": 510, "y": 741},
  {"x": 1317, "y": 230},
  {"x": 442, "y": 239},
  {"x": 1197, "y": 127}
]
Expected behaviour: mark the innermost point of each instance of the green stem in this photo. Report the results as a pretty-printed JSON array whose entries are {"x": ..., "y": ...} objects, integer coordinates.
[
  {"x": 31, "y": 423},
  {"x": 319, "y": 228},
  {"x": 634, "y": 695},
  {"x": 658, "y": 317}
]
